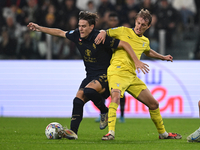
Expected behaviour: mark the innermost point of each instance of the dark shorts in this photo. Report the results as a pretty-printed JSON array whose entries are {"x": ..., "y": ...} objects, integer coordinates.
[{"x": 102, "y": 80}]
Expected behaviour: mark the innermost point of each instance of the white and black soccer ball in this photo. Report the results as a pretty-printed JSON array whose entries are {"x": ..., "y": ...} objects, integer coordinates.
[{"x": 53, "y": 129}]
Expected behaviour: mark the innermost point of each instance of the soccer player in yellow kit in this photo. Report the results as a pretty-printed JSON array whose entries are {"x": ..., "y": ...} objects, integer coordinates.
[{"x": 122, "y": 76}]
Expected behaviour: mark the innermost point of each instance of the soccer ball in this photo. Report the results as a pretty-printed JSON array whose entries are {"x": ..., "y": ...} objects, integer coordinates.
[{"x": 53, "y": 129}]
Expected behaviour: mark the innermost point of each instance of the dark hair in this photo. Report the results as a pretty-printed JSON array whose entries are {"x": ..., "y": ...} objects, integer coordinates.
[
  {"x": 145, "y": 14},
  {"x": 88, "y": 16},
  {"x": 113, "y": 14}
]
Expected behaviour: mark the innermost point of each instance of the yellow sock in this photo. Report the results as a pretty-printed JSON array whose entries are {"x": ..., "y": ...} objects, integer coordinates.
[
  {"x": 112, "y": 116},
  {"x": 157, "y": 119}
]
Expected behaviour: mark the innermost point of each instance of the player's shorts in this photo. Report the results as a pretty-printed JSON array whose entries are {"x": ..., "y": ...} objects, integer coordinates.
[
  {"x": 102, "y": 80},
  {"x": 126, "y": 81}
]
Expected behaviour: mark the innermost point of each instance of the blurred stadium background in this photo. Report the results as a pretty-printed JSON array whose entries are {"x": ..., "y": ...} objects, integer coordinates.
[{"x": 40, "y": 74}]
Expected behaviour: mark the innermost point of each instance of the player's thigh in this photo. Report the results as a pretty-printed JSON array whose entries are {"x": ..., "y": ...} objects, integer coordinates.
[
  {"x": 94, "y": 84},
  {"x": 118, "y": 82},
  {"x": 147, "y": 98},
  {"x": 136, "y": 87},
  {"x": 99, "y": 83}
]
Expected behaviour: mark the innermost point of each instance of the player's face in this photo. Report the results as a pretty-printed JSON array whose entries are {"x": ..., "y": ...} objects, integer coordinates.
[
  {"x": 113, "y": 22},
  {"x": 84, "y": 28},
  {"x": 141, "y": 26}
]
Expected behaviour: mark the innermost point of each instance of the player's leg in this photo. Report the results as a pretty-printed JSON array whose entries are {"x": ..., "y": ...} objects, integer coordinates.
[
  {"x": 112, "y": 115},
  {"x": 77, "y": 115},
  {"x": 94, "y": 91},
  {"x": 117, "y": 86},
  {"x": 77, "y": 111},
  {"x": 147, "y": 98},
  {"x": 99, "y": 118},
  {"x": 195, "y": 136},
  {"x": 199, "y": 108},
  {"x": 122, "y": 104}
]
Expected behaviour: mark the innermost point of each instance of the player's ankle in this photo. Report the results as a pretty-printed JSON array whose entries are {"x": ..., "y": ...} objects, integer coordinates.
[
  {"x": 112, "y": 132},
  {"x": 164, "y": 135}
]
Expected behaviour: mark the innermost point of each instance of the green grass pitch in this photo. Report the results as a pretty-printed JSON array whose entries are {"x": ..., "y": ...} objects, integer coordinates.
[{"x": 134, "y": 134}]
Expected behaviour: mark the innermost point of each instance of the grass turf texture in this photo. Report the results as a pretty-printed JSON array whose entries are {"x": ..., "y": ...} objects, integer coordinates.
[{"x": 137, "y": 134}]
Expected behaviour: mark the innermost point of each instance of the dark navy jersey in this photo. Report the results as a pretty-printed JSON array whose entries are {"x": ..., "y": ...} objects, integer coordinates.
[{"x": 96, "y": 57}]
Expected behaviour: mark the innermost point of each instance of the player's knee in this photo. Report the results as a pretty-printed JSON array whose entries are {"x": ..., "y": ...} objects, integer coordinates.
[
  {"x": 154, "y": 106},
  {"x": 89, "y": 92},
  {"x": 78, "y": 102}
]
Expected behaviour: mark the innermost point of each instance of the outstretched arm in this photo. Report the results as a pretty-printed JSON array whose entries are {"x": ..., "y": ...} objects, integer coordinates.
[
  {"x": 138, "y": 64},
  {"x": 52, "y": 31},
  {"x": 153, "y": 54}
]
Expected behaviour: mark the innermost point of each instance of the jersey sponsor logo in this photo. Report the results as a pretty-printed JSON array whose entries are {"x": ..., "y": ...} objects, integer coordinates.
[
  {"x": 72, "y": 31},
  {"x": 88, "y": 57}
]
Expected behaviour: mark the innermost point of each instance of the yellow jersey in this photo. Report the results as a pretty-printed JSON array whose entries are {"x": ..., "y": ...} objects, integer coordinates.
[{"x": 120, "y": 57}]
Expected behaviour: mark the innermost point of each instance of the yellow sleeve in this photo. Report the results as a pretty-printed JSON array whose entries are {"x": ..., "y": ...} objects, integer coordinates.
[
  {"x": 115, "y": 32},
  {"x": 148, "y": 47}
]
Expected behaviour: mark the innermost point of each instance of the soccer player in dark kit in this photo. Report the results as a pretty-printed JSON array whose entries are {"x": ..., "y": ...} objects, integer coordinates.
[{"x": 96, "y": 60}]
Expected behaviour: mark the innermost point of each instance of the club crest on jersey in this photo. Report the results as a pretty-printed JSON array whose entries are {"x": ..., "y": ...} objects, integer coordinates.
[
  {"x": 88, "y": 52},
  {"x": 143, "y": 44},
  {"x": 118, "y": 84}
]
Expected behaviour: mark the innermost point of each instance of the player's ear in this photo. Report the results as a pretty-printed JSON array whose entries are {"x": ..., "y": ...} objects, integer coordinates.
[
  {"x": 92, "y": 26},
  {"x": 149, "y": 26}
]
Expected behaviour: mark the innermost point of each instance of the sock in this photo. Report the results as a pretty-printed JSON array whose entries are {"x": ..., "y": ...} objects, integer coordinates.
[
  {"x": 77, "y": 114},
  {"x": 122, "y": 103},
  {"x": 165, "y": 134},
  {"x": 96, "y": 98},
  {"x": 112, "y": 116},
  {"x": 157, "y": 119}
]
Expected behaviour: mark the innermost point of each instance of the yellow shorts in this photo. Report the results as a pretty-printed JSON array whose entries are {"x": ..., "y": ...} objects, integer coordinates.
[{"x": 126, "y": 81}]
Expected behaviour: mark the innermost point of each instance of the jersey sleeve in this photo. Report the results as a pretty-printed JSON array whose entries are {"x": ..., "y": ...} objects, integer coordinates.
[
  {"x": 115, "y": 32},
  {"x": 71, "y": 35},
  {"x": 148, "y": 47},
  {"x": 111, "y": 42}
]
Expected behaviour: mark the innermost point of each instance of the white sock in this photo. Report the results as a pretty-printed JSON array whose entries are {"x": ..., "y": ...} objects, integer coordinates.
[
  {"x": 164, "y": 135},
  {"x": 112, "y": 132}
]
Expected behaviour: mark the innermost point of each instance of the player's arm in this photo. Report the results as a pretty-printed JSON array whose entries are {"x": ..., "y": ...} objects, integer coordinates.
[
  {"x": 51, "y": 31},
  {"x": 153, "y": 54},
  {"x": 138, "y": 64},
  {"x": 101, "y": 37},
  {"x": 126, "y": 46}
]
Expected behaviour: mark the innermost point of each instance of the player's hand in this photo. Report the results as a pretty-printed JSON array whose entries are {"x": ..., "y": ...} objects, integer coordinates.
[
  {"x": 33, "y": 26},
  {"x": 168, "y": 58},
  {"x": 142, "y": 66},
  {"x": 100, "y": 37}
]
